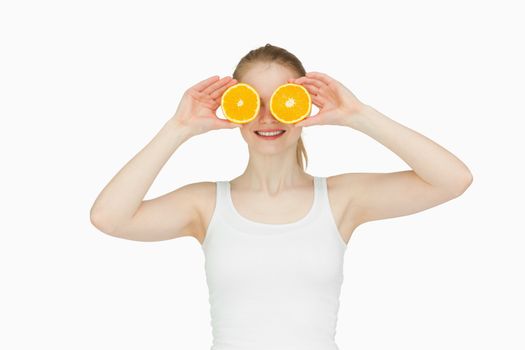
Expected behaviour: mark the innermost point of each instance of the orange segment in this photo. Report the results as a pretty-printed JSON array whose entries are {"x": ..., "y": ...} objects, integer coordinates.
[
  {"x": 240, "y": 103},
  {"x": 290, "y": 103}
]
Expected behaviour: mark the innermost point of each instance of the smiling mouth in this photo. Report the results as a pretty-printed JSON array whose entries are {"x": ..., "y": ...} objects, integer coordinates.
[{"x": 270, "y": 134}]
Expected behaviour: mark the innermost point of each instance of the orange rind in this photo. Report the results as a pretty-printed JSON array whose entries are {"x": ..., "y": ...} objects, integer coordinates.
[{"x": 240, "y": 103}]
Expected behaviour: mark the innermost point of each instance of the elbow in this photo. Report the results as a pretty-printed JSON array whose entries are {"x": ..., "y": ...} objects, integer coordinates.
[
  {"x": 101, "y": 224},
  {"x": 463, "y": 183}
]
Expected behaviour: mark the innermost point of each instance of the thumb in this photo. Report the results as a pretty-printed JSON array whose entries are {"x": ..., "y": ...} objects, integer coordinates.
[
  {"x": 231, "y": 125},
  {"x": 308, "y": 121},
  {"x": 303, "y": 122}
]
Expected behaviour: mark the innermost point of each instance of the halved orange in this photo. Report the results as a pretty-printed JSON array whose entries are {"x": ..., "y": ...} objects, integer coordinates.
[
  {"x": 240, "y": 103},
  {"x": 290, "y": 103}
]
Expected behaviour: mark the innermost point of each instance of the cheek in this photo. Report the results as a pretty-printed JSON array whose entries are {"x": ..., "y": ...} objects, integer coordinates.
[
  {"x": 245, "y": 132},
  {"x": 293, "y": 134},
  {"x": 295, "y": 131}
]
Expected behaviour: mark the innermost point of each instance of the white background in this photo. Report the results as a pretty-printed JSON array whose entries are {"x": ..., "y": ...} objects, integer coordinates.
[{"x": 86, "y": 85}]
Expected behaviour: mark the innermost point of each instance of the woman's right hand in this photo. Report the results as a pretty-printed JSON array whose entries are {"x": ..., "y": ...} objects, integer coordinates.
[{"x": 197, "y": 109}]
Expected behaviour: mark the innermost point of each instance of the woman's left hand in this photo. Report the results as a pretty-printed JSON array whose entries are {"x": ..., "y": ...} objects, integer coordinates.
[{"x": 337, "y": 104}]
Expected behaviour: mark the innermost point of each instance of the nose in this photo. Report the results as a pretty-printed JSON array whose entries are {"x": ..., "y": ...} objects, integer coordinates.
[{"x": 266, "y": 115}]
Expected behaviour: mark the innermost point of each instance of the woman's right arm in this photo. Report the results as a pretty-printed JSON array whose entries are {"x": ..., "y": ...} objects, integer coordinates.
[
  {"x": 120, "y": 209},
  {"x": 122, "y": 196}
]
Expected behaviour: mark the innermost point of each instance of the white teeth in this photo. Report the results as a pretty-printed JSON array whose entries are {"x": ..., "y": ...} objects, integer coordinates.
[{"x": 263, "y": 133}]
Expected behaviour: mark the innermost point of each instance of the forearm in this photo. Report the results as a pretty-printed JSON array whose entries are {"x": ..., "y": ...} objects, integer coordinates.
[
  {"x": 431, "y": 162},
  {"x": 122, "y": 196}
]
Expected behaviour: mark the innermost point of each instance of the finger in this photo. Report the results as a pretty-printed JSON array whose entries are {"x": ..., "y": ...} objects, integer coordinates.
[
  {"x": 202, "y": 97},
  {"x": 228, "y": 124},
  {"x": 308, "y": 121},
  {"x": 211, "y": 104},
  {"x": 315, "y": 94},
  {"x": 317, "y": 87},
  {"x": 314, "y": 91},
  {"x": 325, "y": 92},
  {"x": 304, "y": 80},
  {"x": 217, "y": 85},
  {"x": 318, "y": 101},
  {"x": 203, "y": 84},
  {"x": 321, "y": 76},
  {"x": 218, "y": 93}
]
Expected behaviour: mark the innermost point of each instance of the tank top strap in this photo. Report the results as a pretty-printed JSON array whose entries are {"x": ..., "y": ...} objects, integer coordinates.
[
  {"x": 225, "y": 216},
  {"x": 327, "y": 213},
  {"x": 216, "y": 220},
  {"x": 224, "y": 205},
  {"x": 322, "y": 191},
  {"x": 324, "y": 202},
  {"x": 266, "y": 281},
  {"x": 221, "y": 200}
]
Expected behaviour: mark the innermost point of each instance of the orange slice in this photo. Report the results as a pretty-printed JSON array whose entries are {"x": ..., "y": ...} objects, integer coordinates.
[
  {"x": 290, "y": 103},
  {"x": 240, "y": 103}
]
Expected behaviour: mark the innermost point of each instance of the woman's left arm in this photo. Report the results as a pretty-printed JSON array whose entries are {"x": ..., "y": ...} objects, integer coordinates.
[
  {"x": 437, "y": 175},
  {"x": 430, "y": 161},
  {"x": 339, "y": 106}
]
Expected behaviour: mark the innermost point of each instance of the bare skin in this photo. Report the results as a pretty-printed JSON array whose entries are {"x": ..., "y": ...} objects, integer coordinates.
[
  {"x": 288, "y": 206},
  {"x": 269, "y": 181},
  {"x": 273, "y": 188}
]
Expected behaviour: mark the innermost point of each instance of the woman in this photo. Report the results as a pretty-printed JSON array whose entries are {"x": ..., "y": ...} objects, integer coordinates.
[{"x": 274, "y": 238}]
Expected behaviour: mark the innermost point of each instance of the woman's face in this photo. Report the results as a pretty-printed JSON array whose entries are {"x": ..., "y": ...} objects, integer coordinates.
[{"x": 265, "y": 78}]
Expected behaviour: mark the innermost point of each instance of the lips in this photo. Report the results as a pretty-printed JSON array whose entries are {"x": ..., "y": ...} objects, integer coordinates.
[
  {"x": 279, "y": 132},
  {"x": 271, "y": 137}
]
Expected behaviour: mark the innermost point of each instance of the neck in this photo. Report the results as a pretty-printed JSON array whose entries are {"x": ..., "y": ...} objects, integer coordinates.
[{"x": 272, "y": 174}]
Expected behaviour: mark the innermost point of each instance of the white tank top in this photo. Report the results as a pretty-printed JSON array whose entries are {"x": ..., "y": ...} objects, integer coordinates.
[{"x": 273, "y": 286}]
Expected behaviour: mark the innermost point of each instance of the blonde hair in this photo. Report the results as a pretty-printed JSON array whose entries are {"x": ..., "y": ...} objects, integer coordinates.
[{"x": 270, "y": 53}]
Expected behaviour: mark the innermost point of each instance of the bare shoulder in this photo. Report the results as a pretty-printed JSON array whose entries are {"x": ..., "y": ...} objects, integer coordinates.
[
  {"x": 345, "y": 190},
  {"x": 172, "y": 215},
  {"x": 203, "y": 194},
  {"x": 195, "y": 202},
  {"x": 342, "y": 190},
  {"x": 376, "y": 196},
  {"x": 344, "y": 187},
  {"x": 344, "y": 182}
]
